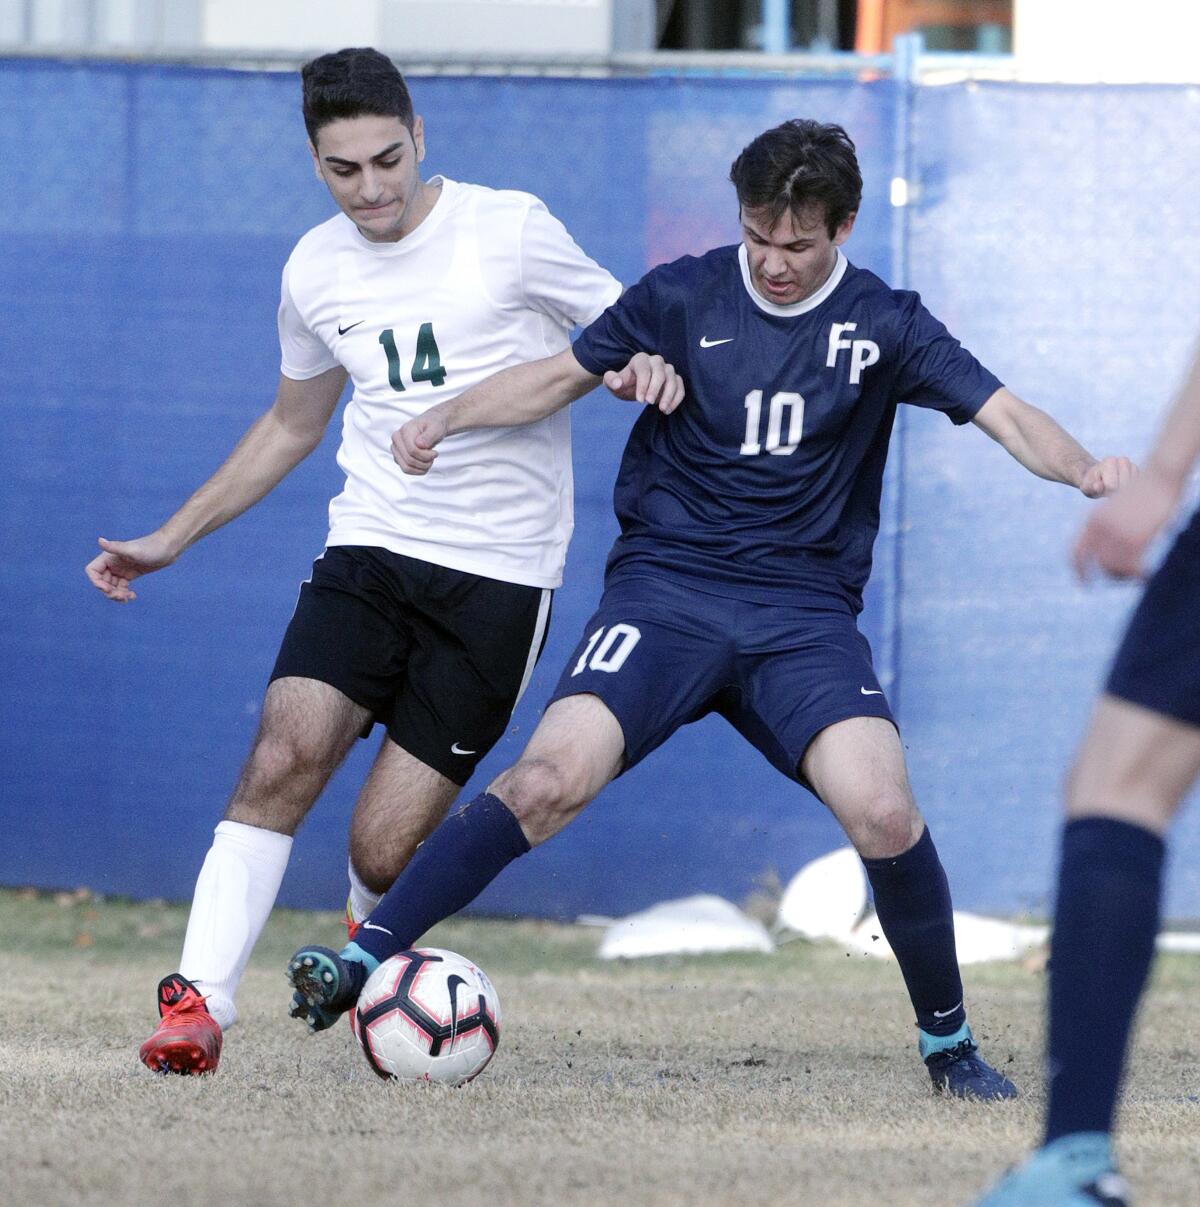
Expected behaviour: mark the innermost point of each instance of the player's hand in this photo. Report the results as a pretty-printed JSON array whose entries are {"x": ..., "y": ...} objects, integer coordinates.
[
  {"x": 1117, "y": 532},
  {"x": 647, "y": 379},
  {"x": 1107, "y": 476},
  {"x": 413, "y": 445},
  {"x": 121, "y": 562}
]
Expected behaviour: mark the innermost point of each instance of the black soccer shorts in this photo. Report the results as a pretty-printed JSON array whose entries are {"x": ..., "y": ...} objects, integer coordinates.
[
  {"x": 1158, "y": 662},
  {"x": 440, "y": 657}
]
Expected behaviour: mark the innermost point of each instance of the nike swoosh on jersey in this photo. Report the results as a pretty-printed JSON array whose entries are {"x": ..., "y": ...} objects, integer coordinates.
[
  {"x": 866, "y": 692},
  {"x": 705, "y": 342},
  {"x": 457, "y": 749},
  {"x": 342, "y": 330}
]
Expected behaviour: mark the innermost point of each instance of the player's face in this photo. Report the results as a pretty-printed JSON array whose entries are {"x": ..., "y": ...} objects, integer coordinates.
[
  {"x": 793, "y": 258},
  {"x": 372, "y": 167}
]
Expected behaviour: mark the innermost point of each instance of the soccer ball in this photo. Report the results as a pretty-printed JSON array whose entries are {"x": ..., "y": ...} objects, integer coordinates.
[{"x": 428, "y": 1015}]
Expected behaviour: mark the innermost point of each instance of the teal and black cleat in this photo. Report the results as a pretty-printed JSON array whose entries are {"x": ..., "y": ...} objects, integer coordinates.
[
  {"x": 1073, "y": 1171},
  {"x": 326, "y": 984},
  {"x": 956, "y": 1068}
]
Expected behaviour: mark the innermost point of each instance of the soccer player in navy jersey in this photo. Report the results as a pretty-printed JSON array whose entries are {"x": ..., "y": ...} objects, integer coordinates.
[
  {"x": 747, "y": 520},
  {"x": 1139, "y": 757}
]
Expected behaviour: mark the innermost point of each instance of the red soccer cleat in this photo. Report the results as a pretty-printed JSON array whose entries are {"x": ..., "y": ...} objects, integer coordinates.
[{"x": 187, "y": 1038}]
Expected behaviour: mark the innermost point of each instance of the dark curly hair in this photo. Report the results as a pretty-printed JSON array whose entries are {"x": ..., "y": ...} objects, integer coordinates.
[{"x": 796, "y": 166}]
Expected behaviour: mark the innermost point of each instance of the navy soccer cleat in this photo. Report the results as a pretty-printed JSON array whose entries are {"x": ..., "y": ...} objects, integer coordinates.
[
  {"x": 961, "y": 1072},
  {"x": 327, "y": 985},
  {"x": 1073, "y": 1171}
]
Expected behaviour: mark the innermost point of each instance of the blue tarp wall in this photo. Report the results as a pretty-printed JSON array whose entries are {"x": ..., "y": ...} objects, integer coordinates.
[{"x": 146, "y": 214}]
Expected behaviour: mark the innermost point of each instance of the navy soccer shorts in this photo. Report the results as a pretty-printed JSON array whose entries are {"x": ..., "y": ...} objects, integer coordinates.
[
  {"x": 438, "y": 656},
  {"x": 661, "y": 654},
  {"x": 1158, "y": 662}
]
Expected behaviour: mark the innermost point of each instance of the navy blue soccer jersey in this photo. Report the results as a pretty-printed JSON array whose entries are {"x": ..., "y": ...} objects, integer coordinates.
[{"x": 765, "y": 483}]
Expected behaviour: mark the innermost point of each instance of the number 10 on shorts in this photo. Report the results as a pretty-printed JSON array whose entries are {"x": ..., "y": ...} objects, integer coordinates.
[{"x": 607, "y": 649}]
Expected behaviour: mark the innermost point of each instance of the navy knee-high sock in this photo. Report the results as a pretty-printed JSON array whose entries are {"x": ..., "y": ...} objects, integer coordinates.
[
  {"x": 448, "y": 871},
  {"x": 1105, "y": 923},
  {"x": 912, "y": 900}
]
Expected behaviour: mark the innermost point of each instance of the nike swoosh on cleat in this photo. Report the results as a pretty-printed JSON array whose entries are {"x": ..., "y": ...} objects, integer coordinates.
[
  {"x": 705, "y": 342},
  {"x": 342, "y": 330},
  {"x": 452, "y": 983}
]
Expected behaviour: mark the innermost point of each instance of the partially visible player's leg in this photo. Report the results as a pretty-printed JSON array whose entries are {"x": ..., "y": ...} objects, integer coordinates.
[
  {"x": 1131, "y": 773},
  {"x": 856, "y": 767},
  {"x": 1140, "y": 756},
  {"x": 575, "y": 750},
  {"x": 810, "y": 702},
  {"x": 401, "y": 802},
  {"x": 306, "y": 730},
  {"x": 304, "y": 733}
]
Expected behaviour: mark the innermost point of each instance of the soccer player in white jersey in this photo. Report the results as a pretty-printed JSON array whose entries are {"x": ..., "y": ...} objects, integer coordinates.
[{"x": 428, "y": 607}]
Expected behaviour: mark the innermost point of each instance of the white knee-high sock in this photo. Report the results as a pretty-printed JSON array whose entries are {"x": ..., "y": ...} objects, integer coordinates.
[
  {"x": 362, "y": 901},
  {"x": 235, "y": 892}
]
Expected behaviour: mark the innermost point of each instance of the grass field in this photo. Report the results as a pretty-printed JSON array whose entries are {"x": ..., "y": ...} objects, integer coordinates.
[{"x": 785, "y": 1079}]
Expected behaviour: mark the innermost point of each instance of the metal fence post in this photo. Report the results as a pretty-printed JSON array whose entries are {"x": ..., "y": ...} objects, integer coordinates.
[
  {"x": 777, "y": 21},
  {"x": 906, "y": 53}
]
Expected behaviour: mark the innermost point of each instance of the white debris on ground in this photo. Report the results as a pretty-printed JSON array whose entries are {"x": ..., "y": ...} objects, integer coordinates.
[
  {"x": 689, "y": 926},
  {"x": 977, "y": 939},
  {"x": 826, "y": 898},
  {"x": 826, "y": 901}
]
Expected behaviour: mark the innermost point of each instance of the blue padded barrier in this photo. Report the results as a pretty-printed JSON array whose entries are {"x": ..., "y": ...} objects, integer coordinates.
[
  {"x": 1054, "y": 230},
  {"x": 143, "y": 236}
]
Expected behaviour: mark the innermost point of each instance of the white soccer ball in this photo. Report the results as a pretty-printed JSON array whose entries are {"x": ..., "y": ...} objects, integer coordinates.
[{"x": 428, "y": 1015}]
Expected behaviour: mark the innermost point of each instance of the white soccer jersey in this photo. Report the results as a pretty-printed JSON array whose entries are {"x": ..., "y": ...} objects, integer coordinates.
[{"x": 489, "y": 279}]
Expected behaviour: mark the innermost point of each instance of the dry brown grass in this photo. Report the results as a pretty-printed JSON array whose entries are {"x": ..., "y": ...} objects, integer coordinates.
[{"x": 786, "y": 1079}]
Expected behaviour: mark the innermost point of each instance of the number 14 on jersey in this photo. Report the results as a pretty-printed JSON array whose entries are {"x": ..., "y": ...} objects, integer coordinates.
[{"x": 427, "y": 360}]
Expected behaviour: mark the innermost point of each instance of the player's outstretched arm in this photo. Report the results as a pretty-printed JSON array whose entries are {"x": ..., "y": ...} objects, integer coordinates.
[
  {"x": 273, "y": 445},
  {"x": 525, "y": 393},
  {"x": 1047, "y": 449},
  {"x": 1118, "y": 532}
]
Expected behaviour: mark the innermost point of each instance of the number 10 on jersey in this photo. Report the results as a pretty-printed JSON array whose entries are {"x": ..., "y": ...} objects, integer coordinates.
[{"x": 782, "y": 404}]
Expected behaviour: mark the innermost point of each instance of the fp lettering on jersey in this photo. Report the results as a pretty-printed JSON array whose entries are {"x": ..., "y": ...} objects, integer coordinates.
[{"x": 863, "y": 352}]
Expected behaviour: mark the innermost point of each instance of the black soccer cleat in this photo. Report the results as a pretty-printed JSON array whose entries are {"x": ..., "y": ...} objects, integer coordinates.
[{"x": 961, "y": 1072}]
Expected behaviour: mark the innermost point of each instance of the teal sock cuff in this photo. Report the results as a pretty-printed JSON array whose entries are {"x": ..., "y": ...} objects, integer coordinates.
[
  {"x": 352, "y": 951},
  {"x": 928, "y": 1044}
]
